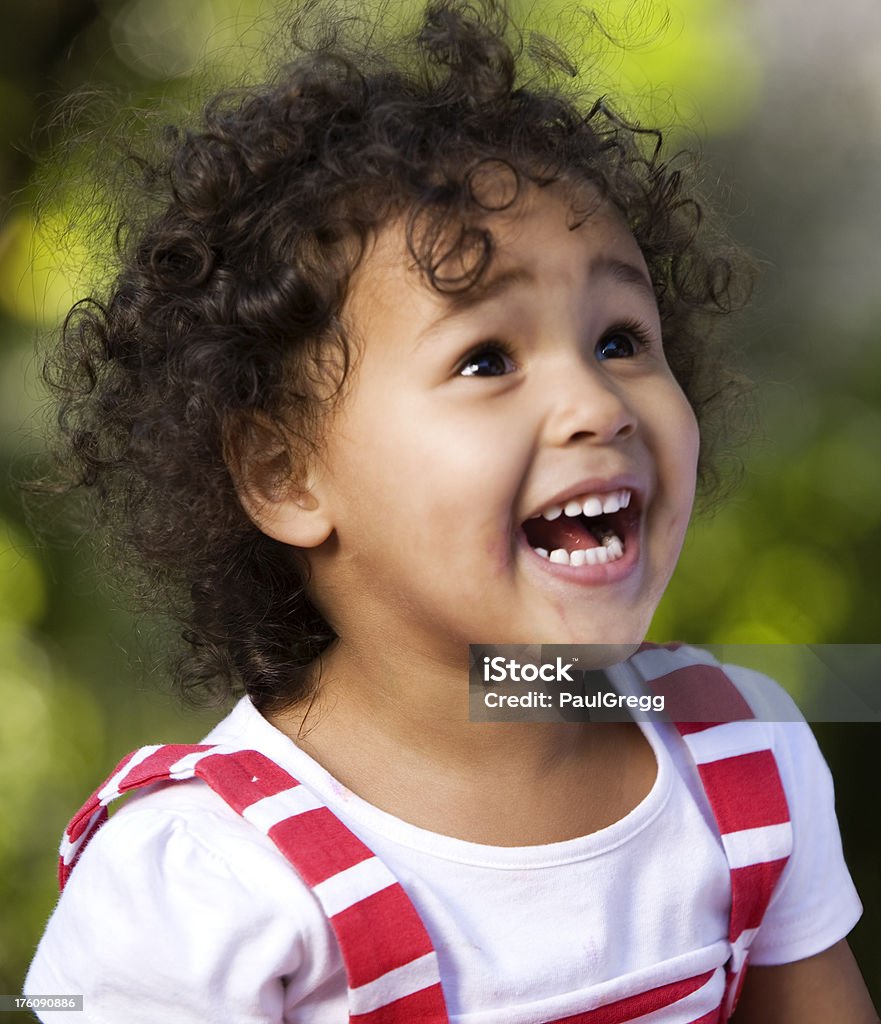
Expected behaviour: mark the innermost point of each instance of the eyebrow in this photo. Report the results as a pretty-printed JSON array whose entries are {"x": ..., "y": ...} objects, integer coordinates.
[
  {"x": 476, "y": 295},
  {"x": 600, "y": 266},
  {"x": 626, "y": 273}
]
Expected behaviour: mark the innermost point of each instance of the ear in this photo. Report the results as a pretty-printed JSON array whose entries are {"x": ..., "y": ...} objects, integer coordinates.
[{"x": 277, "y": 492}]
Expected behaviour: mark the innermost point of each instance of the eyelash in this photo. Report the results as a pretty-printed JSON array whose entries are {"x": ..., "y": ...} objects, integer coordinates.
[
  {"x": 638, "y": 333},
  {"x": 494, "y": 347},
  {"x": 634, "y": 329}
]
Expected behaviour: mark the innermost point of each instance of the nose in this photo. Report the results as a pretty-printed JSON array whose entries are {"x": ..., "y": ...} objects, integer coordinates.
[{"x": 586, "y": 403}]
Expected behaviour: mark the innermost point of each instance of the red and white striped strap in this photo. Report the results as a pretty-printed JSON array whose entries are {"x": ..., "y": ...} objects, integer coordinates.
[
  {"x": 741, "y": 780},
  {"x": 391, "y": 965}
]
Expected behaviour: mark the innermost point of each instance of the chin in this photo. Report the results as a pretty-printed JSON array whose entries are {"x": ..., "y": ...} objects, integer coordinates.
[{"x": 596, "y": 655}]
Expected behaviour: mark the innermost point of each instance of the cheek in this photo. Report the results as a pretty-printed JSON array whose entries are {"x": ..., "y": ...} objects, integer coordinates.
[
  {"x": 681, "y": 447},
  {"x": 688, "y": 450},
  {"x": 406, "y": 472},
  {"x": 691, "y": 442}
]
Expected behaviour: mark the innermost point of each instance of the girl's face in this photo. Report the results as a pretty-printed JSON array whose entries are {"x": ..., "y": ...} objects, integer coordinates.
[{"x": 472, "y": 419}]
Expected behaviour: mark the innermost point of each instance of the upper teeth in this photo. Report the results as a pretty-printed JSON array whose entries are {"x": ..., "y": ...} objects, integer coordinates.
[{"x": 588, "y": 505}]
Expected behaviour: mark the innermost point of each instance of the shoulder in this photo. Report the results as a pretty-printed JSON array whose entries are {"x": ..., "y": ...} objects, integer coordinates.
[
  {"x": 187, "y": 827},
  {"x": 767, "y": 699},
  {"x": 180, "y": 845},
  {"x": 815, "y": 904},
  {"x": 780, "y": 727},
  {"x": 777, "y": 718},
  {"x": 177, "y": 894},
  {"x": 803, "y": 770}
]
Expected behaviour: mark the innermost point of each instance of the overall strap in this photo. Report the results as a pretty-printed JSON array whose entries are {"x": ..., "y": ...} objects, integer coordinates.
[
  {"x": 741, "y": 780},
  {"x": 391, "y": 966}
]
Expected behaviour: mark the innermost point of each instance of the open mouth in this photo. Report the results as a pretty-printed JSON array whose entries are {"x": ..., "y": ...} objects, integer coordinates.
[{"x": 591, "y": 529}]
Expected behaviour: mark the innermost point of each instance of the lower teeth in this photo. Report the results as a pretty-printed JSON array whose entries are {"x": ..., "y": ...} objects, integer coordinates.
[{"x": 611, "y": 550}]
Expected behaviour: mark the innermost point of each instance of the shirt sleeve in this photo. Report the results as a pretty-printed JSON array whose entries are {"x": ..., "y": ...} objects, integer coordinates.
[
  {"x": 815, "y": 903},
  {"x": 174, "y": 913}
]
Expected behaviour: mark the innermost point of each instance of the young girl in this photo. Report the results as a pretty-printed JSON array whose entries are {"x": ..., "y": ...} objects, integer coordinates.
[{"x": 412, "y": 355}]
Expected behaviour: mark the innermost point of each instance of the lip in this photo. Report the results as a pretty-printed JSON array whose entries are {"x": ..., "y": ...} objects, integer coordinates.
[
  {"x": 594, "y": 575},
  {"x": 595, "y": 485},
  {"x": 585, "y": 575}
]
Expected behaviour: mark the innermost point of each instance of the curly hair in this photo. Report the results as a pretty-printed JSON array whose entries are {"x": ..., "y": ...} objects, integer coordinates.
[{"x": 226, "y": 306}]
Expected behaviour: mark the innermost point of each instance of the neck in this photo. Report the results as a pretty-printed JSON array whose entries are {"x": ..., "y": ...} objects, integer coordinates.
[
  {"x": 417, "y": 707},
  {"x": 398, "y": 735}
]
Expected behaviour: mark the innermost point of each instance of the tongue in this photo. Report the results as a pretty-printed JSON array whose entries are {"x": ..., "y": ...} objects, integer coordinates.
[{"x": 566, "y": 532}]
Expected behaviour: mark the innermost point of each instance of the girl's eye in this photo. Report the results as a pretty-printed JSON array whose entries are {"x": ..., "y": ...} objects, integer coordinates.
[
  {"x": 622, "y": 343},
  {"x": 489, "y": 361}
]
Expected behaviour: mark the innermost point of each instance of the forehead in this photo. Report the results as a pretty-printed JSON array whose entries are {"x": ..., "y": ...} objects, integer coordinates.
[{"x": 546, "y": 234}]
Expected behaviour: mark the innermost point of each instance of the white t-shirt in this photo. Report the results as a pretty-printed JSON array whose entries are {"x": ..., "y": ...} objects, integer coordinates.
[{"x": 180, "y": 910}]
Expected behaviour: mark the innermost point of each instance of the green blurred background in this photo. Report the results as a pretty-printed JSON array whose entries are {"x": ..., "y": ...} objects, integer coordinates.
[{"x": 785, "y": 99}]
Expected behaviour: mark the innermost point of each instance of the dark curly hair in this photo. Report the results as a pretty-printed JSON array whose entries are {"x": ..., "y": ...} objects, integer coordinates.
[{"x": 225, "y": 308}]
